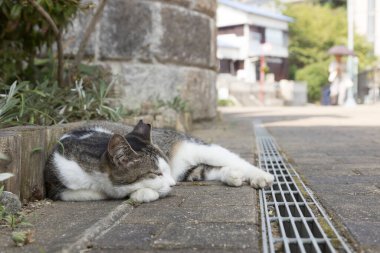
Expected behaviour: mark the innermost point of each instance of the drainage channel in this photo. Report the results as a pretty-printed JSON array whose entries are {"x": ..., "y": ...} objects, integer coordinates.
[{"x": 292, "y": 219}]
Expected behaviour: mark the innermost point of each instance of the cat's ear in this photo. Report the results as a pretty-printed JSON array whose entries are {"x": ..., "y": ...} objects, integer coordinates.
[
  {"x": 143, "y": 130},
  {"x": 119, "y": 148}
]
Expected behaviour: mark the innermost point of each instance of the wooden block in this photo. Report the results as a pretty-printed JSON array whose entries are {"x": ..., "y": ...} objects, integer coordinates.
[
  {"x": 33, "y": 159},
  {"x": 10, "y": 146},
  {"x": 52, "y": 135},
  {"x": 27, "y": 149}
]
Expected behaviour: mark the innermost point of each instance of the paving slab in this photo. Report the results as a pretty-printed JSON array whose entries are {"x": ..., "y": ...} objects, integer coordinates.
[
  {"x": 57, "y": 224},
  {"x": 220, "y": 235}
]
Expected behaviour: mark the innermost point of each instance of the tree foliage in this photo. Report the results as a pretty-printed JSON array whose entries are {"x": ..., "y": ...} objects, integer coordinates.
[
  {"x": 29, "y": 91},
  {"x": 46, "y": 103},
  {"x": 24, "y": 32},
  {"x": 317, "y": 28}
]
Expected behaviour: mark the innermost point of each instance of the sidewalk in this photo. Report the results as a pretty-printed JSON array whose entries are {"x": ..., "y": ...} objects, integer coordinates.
[
  {"x": 195, "y": 217},
  {"x": 337, "y": 152}
]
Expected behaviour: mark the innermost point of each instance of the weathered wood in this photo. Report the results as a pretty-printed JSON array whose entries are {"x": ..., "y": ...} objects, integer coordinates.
[
  {"x": 11, "y": 148},
  {"x": 32, "y": 161},
  {"x": 52, "y": 135}
]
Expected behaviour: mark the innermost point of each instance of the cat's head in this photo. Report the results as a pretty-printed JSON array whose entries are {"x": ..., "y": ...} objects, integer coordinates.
[{"x": 134, "y": 157}]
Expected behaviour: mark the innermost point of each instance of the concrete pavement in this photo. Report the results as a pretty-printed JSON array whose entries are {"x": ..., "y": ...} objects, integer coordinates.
[
  {"x": 195, "y": 217},
  {"x": 336, "y": 150}
]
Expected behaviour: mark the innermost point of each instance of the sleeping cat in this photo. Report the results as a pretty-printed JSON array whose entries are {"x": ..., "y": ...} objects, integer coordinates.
[{"x": 112, "y": 161}]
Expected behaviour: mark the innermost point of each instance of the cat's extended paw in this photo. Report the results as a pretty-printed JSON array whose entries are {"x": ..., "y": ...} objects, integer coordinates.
[
  {"x": 171, "y": 181},
  {"x": 232, "y": 177},
  {"x": 261, "y": 179},
  {"x": 144, "y": 195}
]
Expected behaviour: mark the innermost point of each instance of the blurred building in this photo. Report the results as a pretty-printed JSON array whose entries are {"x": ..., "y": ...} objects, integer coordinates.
[
  {"x": 247, "y": 32},
  {"x": 367, "y": 21}
]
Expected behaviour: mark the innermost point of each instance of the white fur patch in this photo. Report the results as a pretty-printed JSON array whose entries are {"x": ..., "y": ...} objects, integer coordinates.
[
  {"x": 71, "y": 174},
  {"x": 165, "y": 169},
  {"x": 214, "y": 175},
  {"x": 86, "y": 136},
  {"x": 235, "y": 171},
  {"x": 102, "y": 130},
  {"x": 65, "y": 136}
]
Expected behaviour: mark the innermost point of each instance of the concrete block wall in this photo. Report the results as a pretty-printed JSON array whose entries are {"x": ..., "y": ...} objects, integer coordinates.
[{"x": 160, "y": 49}]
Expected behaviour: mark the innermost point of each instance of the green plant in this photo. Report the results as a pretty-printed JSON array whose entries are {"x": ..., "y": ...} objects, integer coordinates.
[
  {"x": 46, "y": 103},
  {"x": 4, "y": 176},
  {"x": 27, "y": 27},
  {"x": 177, "y": 103},
  {"x": 20, "y": 238},
  {"x": 14, "y": 221},
  {"x": 315, "y": 29},
  {"x": 225, "y": 102},
  {"x": 316, "y": 77}
]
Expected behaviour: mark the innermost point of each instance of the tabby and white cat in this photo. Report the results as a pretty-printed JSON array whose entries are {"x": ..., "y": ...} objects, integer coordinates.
[{"x": 112, "y": 161}]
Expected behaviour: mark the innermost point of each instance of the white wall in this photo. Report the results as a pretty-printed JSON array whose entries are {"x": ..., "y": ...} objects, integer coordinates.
[
  {"x": 377, "y": 29},
  {"x": 228, "y": 16},
  {"x": 361, "y": 15}
]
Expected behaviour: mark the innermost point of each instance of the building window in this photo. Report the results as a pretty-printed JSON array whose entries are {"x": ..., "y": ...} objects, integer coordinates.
[
  {"x": 238, "y": 30},
  {"x": 274, "y": 37},
  {"x": 257, "y": 33},
  {"x": 230, "y": 66}
]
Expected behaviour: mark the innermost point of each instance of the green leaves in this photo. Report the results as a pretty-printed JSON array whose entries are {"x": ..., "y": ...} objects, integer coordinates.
[
  {"x": 21, "y": 238},
  {"x": 16, "y": 11},
  {"x": 46, "y": 104},
  {"x": 24, "y": 31},
  {"x": 317, "y": 28}
]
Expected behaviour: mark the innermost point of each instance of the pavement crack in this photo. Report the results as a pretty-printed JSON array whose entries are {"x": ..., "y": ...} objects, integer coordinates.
[{"x": 100, "y": 228}]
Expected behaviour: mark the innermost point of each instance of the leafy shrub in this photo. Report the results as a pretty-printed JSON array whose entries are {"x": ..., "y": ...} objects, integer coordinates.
[
  {"x": 46, "y": 103},
  {"x": 25, "y": 33},
  {"x": 177, "y": 104},
  {"x": 225, "y": 102},
  {"x": 316, "y": 29},
  {"x": 316, "y": 76}
]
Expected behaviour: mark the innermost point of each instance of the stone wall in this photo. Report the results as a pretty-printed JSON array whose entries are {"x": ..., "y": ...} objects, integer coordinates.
[{"x": 159, "y": 50}]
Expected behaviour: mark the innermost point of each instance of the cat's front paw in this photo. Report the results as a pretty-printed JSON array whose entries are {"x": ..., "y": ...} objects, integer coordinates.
[
  {"x": 144, "y": 195},
  {"x": 232, "y": 177},
  {"x": 261, "y": 179}
]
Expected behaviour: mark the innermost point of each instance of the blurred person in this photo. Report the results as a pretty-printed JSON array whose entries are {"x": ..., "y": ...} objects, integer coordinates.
[{"x": 340, "y": 81}]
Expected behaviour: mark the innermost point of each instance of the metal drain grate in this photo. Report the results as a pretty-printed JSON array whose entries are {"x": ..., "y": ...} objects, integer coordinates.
[{"x": 292, "y": 220}]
